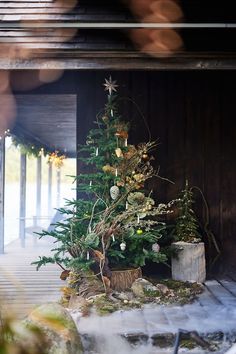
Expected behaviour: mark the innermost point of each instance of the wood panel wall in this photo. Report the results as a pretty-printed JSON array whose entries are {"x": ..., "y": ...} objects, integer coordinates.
[{"x": 192, "y": 115}]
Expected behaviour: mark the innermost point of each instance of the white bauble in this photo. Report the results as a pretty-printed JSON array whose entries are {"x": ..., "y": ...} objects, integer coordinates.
[
  {"x": 155, "y": 247},
  {"x": 123, "y": 246},
  {"x": 114, "y": 192}
]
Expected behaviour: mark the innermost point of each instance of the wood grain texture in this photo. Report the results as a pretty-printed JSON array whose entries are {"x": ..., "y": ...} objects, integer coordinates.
[
  {"x": 18, "y": 29},
  {"x": 122, "y": 280},
  {"x": 191, "y": 113},
  {"x": 190, "y": 264},
  {"x": 49, "y": 118},
  {"x": 21, "y": 287}
]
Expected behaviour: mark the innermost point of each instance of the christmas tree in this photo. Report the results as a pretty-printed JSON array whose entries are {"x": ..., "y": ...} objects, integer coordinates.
[
  {"x": 186, "y": 224},
  {"x": 115, "y": 223}
]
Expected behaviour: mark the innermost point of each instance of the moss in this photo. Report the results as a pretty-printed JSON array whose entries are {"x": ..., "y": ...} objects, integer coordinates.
[
  {"x": 152, "y": 293},
  {"x": 188, "y": 343},
  {"x": 175, "y": 292},
  {"x": 104, "y": 306}
]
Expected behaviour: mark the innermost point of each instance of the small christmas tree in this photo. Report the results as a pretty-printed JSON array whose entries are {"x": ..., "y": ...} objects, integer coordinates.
[
  {"x": 116, "y": 223},
  {"x": 186, "y": 223}
]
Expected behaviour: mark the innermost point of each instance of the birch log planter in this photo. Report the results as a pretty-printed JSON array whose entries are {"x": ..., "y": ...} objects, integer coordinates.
[
  {"x": 122, "y": 280},
  {"x": 189, "y": 264}
]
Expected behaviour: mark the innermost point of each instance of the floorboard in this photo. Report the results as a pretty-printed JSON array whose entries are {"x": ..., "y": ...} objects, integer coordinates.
[{"x": 21, "y": 286}]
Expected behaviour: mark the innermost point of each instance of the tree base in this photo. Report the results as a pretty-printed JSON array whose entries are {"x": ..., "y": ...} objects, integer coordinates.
[{"x": 122, "y": 280}]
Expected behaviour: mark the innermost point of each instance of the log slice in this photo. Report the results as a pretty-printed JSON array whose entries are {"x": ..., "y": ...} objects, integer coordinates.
[{"x": 122, "y": 279}]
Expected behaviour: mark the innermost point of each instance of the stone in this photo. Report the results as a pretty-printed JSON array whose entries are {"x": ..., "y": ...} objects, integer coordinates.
[
  {"x": 123, "y": 296},
  {"x": 189, "y": 264},
  {"x": 162, "y": 288},
  {"x": 136, "y": 338},
  {"x": 59, "y": 328},
  {"x": 142, "y": 287},
  {"x": 163, "y": 340}
]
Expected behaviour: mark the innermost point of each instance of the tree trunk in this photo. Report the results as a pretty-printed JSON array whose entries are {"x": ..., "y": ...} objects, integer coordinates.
[
  {"x": 190, "y": 264},
  {"x": 123, "y": 279}
]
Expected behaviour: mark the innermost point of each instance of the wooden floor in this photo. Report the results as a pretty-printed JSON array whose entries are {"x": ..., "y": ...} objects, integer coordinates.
[{"x": 21, "y": 286}]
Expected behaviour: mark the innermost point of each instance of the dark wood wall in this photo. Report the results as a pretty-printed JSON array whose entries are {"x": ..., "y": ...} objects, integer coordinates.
[
  {"x": 193, "y": 117},
  {"x": 192, "y": 114}
]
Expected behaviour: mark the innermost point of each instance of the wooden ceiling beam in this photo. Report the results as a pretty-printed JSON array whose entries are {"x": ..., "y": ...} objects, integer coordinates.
[
  {"x": 124, "y": 61},
  {"x": 8, "y": 24}
]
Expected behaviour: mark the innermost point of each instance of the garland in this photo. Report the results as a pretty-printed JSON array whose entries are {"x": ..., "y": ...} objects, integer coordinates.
[{"x": 31, "y": 149}]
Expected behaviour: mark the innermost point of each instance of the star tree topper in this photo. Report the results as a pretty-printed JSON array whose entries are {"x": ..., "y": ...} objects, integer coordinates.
[{"x": 110, "y": 85}]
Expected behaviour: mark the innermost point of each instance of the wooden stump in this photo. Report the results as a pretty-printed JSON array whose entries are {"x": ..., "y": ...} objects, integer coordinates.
[
  {"x": 190, "y": 264},
  {"x": 123, "y": 279}
]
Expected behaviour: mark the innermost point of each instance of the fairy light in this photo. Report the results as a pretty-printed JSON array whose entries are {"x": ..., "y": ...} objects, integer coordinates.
[{"x": 6, "y": 133}]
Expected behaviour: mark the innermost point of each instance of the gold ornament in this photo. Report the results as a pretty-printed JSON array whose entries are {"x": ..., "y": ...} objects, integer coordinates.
[
  {"x": 105, "y": 119},
  {"x": 119, "y": 152},
  {"x": 108, "y": 169},
  {"x": 122, "y": 134},
  {"x": 139, "y": 177},
  {"x": 110, "y": 85},
  {"x": 56, "y": 159},
  {"x": 139, "y": 232},
  {"x": 145, "y": 157},
  {"x": 120, "y": 183},
  {"x": 131, "y": 152}
]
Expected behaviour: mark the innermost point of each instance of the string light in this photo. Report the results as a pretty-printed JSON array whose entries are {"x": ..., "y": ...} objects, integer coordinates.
[{"x": 6, "y": 133}]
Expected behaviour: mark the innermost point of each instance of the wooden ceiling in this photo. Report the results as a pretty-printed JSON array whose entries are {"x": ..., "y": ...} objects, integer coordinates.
[
  {"x": 48, "y": 121},
  {"x": 48, "y": 29}
]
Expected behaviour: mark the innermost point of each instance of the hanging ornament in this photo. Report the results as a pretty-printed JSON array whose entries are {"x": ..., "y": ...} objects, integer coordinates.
[
  {"x": 56, "y": 159},
  {"x": 155, "y": 247},
  {"x": 139, "y": 232},
  {"x": 113, "y": 238},
  {"x": 120, "y": 183},
  {"x": 122, "y": 134},
  {"x": 126, "y": 205},
  {"x": 138, "y": 219},
  {"x": 119, "y": 152},
  {"x": 114, "y": 192},
  {"x": 89, "y": 141},
  {"x": 108, "y": 169},
  {"x": 145, "y": 156},
  {"x": 116, "y": 172},
  {"x": 123, "y": 246},
  {"x": 90, "y": 183},
  {"x": 88, "y": 256},
  {"x": 112, "y": 113},
  {"x": 96, "y": 152},
  {"x": 142, "y": 215},
  {"x": 139, "y": 177},
  {"x": 126, "y": 142},
  {"x": 105, "y": 119}
]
